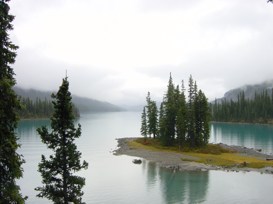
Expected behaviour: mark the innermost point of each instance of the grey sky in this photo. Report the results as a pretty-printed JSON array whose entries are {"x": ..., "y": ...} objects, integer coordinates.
[{"x": 119, "y": 50}]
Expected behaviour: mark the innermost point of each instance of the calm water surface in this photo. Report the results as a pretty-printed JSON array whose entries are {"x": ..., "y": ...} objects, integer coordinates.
[
  {"x": 248, "y": 135},
  {"x": 115, "y": 179}
]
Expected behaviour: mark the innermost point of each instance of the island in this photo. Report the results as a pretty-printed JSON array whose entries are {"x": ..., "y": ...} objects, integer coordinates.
[
  {"x": 232, "y": 158},
  {"x": 176, "y": 136}
]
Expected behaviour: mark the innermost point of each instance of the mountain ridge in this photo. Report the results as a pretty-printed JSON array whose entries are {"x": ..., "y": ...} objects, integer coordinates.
[
  {"x": 84, "y": 104},
  {"x": 249, "y": 91}
]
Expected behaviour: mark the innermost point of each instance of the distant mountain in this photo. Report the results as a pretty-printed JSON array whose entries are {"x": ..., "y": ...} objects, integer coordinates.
[
  {"x": 82, "y": 103},
  {"x": 249, "y": 91},
  {"x": 92, "y": 105}
]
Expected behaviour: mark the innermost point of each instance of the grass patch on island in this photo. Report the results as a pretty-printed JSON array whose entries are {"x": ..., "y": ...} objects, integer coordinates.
[
  {"x": 229, "y": 160},
  {"x": 212, "y": 154}
]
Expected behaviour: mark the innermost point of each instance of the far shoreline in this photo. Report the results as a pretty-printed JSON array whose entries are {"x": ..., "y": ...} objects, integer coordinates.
[
  {"x": 178, "y": 161},
  {"x": 243, "y": 123},
  {"x": 25, "y": 119}
]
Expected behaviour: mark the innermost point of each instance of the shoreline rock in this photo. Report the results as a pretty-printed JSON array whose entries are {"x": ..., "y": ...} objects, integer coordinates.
[{"x": 176, "y": 161}]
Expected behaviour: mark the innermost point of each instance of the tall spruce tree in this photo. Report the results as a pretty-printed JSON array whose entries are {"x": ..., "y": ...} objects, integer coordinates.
[
  {"x": 201, "y": 110},
  {"x": 181, "y": 120},
  {"x": 60, "y": 184},
  {"x": 149, "y": 113},
  {"x": 162, "y": 122},
  {"x": 152, "y": 116},
  {"x": 144, "y": 128},
  {"x": 168, "y": 138},
  {"x": 10, "y": 160},
  {"x": 191, "y": 115},
  {"x": 153, "y": 119}
]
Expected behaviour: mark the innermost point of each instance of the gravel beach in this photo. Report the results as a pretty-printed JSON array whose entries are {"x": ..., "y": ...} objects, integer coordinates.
[{"x": 172, "y": 160}]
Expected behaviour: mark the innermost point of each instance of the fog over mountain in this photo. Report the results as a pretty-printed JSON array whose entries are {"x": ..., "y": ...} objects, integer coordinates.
[
  {"x": 82, "y": 103},
  {"x": 119, "y": 50},
  {"x": 249, "y": 90}
]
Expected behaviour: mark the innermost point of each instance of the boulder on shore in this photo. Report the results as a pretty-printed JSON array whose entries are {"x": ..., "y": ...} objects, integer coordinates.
[{"x": 137, "y": 161}]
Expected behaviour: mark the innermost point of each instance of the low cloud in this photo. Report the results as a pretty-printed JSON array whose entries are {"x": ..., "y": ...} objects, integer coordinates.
[{"x": 118, "y": 51}]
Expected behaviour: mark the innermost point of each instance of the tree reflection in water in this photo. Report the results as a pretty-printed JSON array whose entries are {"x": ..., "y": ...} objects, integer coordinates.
[{"x": 177, "y": 187}]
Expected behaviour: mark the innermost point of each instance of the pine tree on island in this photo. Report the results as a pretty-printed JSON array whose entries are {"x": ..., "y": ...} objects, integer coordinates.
[
  {"x": 152, "y": 115},
  {"x": 202, "y": 117},
  {"x": 191, "y": 112},
  {"x": 60, "y": 184},
  {"x": 10, "y": 160},
  {"x": 169, "y": 106},
  {"x": 143, "y": 129},
  {"x": 181, "y": 122},
  {"x": 181, "y": 118}
]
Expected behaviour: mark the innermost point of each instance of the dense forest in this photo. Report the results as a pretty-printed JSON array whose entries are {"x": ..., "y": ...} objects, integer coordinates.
[
  {"x": 38, "y": 108},
  {"x": 258, "y": 109},
  {"x": 178, "y": 121}
]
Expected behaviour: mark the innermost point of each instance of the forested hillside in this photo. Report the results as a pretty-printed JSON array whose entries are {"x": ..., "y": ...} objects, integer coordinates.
[
  {"x": 38, "y": 103},
  {"x": 249, "y": 91},
  {"x": 256, "y": 109},
  {"x": 39, "y": 108}
]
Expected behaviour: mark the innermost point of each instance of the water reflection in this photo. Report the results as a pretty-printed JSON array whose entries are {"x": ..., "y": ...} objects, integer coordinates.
[
  {"x": 248, "y": 135},
  {"x": 177, "y": 187},
  {"x": 151, "y": 169},
  {"x": 27, "y": 128}
]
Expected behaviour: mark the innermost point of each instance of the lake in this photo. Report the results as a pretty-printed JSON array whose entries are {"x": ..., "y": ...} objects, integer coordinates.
[{"x": 116, "y": 180}]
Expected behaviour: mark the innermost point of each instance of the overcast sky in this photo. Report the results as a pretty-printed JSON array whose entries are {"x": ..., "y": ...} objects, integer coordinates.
[{"x": 118, "y": 50}]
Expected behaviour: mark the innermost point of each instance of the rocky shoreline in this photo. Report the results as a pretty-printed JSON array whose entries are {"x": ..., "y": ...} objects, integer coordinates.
[{"x": 176, "y": 161}]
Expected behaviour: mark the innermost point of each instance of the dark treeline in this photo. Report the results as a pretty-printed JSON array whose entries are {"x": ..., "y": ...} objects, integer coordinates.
[
  {"x": 38, "y": 108},
  {"x": 178, "y": 121},
  {"x": 256, "y": 110}
]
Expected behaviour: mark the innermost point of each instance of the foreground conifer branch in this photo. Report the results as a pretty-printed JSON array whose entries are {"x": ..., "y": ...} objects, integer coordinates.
[{"x": 10, "y": 160}]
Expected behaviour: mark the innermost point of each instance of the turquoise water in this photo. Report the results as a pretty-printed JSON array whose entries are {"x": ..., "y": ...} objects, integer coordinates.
[
  {"x": 248, "y": 135},
  {"x": 115, "y": 179}
]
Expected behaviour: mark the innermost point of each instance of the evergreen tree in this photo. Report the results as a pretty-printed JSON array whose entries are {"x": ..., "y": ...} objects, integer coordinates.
[
  {"x": 149, "y": 113},
  {"x": 152, "y": 115},
  {"x": 10, "y": 160},
  {"x": 60, "y": 185},
  {"x": 168, "y": 138},
  {"x": 181, "y": 121},
  {"x": 201, "y": 119},
  {"x": 153, "y": 119},
  {"x": 162, "y": 122},
  {"x": 144, "y": 127},
  {"x": 191, "y": 115}
]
